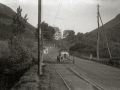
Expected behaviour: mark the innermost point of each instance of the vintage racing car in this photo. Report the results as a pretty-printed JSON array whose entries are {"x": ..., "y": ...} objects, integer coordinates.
[{"x": 65, "y": 57}]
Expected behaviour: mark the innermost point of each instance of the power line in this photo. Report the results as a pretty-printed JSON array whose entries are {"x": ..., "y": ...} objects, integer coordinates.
[
  {"x": 54, "y": 17},
  {"x": 51, "y": 16},
  {"x": 57, "y": 11}
]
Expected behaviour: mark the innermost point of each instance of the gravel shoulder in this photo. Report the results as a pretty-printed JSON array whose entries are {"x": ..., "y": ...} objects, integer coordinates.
[{"x": 50, "y": 79}]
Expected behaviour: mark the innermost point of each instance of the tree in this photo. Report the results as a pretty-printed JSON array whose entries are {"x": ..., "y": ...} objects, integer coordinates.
[
  {"x": 79, "y": 35},
  {"x": 65, "y": 33},
  {"x": 18, "y": 27},
  {"x": 19, "y": 23},
  {"x": 20, "y": 56},
  {"x": 58, "y": 34},
  {"x": 47, "y": 31},
  {"x": 71, "y": 36}
]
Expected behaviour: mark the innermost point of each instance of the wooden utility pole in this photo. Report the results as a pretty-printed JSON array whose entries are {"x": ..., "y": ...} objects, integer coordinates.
[
  {"x": 41, "y": 49},
  {"x": 105, "y": 38},
  {"x": 98, "y": 32},
  {"x": 39, "y": 37}
]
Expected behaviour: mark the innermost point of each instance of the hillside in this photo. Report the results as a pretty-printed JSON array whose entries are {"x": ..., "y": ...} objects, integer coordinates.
[
  {"x": 86, "y": 44},
  {"x": 6, "y": 10},
  {"x": 6, "y": 15},
  {"x": 112, "y": 29}
]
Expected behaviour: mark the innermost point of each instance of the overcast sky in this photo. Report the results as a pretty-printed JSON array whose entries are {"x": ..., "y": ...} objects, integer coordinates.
[{"x": 77, "y": 15}]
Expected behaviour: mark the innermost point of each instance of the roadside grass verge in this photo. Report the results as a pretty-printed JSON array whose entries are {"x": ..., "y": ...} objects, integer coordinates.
[
  {"x": 29, "y": 80},
  {"x": 94, "y": 59},
  {"x": 85, "y": 57},
  {"x": 46, "y": 81}
]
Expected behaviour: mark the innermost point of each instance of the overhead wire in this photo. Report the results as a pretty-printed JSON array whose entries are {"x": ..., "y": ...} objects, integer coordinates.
[{"x": 60, "y": 3}]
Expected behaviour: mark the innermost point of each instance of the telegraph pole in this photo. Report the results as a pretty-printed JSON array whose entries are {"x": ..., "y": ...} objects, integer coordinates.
[
  {"x": 98, "y": 32},
  {"x": 106, "y": 38},
  {"x": 39, "y": 37}
]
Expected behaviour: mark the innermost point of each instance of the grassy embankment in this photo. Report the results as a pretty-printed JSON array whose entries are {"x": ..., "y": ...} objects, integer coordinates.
[{"x": 16, "y": 61}]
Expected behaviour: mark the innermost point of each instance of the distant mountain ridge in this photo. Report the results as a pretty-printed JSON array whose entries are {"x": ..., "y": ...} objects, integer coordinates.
[
  {"x": 112, "y": 30},
  {"x": 6, "y": 10},
  {"x": 6, "y": 14}
]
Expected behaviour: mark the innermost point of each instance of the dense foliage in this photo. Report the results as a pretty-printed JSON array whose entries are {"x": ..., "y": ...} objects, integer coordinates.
[
  {"x": 20, "y": 51},
  {"x": 16, "y": 54},
  {"x": 47, "y": 32},
  {"x": 86, "y": 44}
]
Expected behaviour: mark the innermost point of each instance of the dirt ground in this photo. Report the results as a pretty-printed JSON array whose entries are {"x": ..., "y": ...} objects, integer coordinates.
[{"x": 50, "y": 79}]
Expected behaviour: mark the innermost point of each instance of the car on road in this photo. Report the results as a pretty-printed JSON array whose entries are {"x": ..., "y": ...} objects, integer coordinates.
[
  {"x": 114, "y": 61},
  {"x": 64, "y": 57}
]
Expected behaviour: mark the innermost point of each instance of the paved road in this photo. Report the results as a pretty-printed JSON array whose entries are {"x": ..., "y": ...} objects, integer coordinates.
[
  {"x": 74, "y": 82},
  {"x": 104, "y": 76}
]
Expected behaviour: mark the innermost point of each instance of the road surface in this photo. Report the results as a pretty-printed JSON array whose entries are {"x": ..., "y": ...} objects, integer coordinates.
[{"x": 103, "y": 76}]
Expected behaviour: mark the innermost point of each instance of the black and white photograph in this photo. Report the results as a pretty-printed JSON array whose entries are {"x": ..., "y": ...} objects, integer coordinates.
[{"x": 59, "y": 44}]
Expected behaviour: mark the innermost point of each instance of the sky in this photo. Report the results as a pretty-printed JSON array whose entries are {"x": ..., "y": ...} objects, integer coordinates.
[{"x": 77, "y": 15}]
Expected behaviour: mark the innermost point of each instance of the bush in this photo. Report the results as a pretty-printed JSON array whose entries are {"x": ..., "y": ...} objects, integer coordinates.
[
  {"x": 19, "y": 55},
  {"x": 4, "y": 55},
  {"x": 4, "y": 49}
]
